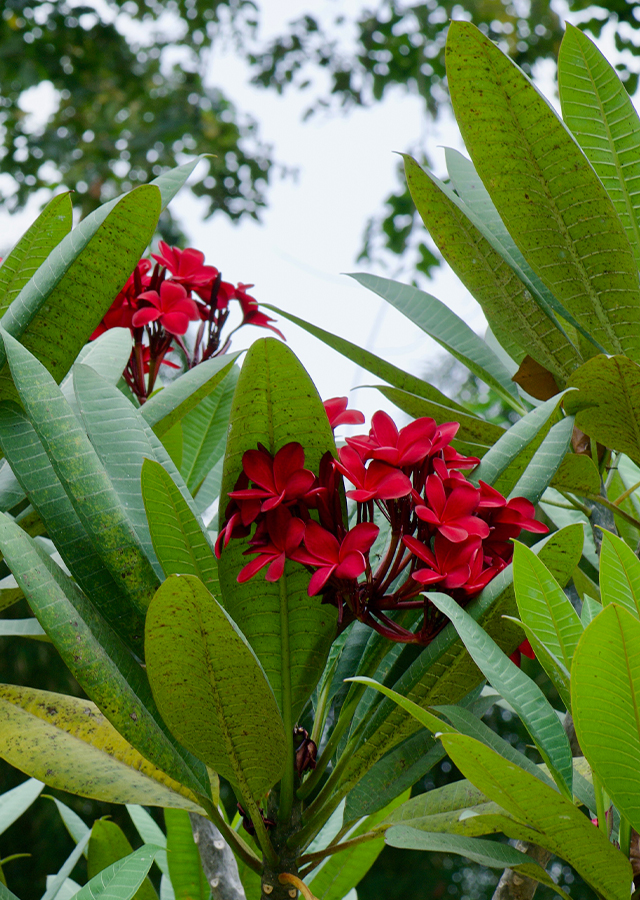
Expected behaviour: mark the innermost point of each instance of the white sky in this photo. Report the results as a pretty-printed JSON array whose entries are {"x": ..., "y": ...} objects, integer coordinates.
[{"x": 312, "y": 230}]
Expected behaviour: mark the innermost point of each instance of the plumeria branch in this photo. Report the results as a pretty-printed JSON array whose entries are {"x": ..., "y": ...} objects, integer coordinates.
[{"x": 315, "y": 858}]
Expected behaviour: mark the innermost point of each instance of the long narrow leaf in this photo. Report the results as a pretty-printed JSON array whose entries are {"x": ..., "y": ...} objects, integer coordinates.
[
  {"x": 16, "y": 801},
  {"x": 121, "y": 880}
]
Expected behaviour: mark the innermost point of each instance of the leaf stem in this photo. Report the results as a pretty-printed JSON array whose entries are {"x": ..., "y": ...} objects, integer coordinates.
[
  {"x": 603, "y": 501},
  {"x": 624, "y": 835},
  {"x": 627, "y": 493},
  {"x": 336, "y": 848}
]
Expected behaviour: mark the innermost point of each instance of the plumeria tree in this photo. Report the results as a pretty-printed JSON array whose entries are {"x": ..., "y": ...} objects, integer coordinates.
[{"x": 354, "y": 615}]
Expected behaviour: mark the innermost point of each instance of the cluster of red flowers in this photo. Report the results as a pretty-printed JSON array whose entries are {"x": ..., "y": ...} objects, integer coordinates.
[
  {"x": 159, "y": 301},
  {"x": 444, "y": 533}
]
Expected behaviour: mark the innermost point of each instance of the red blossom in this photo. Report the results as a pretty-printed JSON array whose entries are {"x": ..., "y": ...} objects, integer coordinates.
[
  {"x": 343, "y": 559},
  {"x": 283, "y": 535},
  {"x": 450, "y": 509},
  {"x": 171, "y": 307},
  {"x": 447, "y": 564},
  {"x": 338, "y": 414},
  {"x": 377, "y": 482},
  {"x": 279, "y": 479},
  {"x": 250, "y": 312},
  {"x": 525, "y": 649},
  {"x": 186, "y": 266}
]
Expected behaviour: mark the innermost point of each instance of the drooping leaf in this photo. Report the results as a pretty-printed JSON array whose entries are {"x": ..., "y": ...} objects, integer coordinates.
[
  {"x": 85, "y": 480},
  {"x": 180, "y": 544},
  {"x": 518, "y": 689},
  {"x": 210, "y": 688},
  {"x": 72, "y": 821},
  {"x": 512, "y": 452},
  {"x": 451, "y": 332},
  {"x": 150, "y": 832},
  {"x": 275, "y": 403},
  {"x": 619, "y": 574},
  {"x": 598, "y": 110},
  {"x": 560, "y": 826},
  {"x": 607, "y": 401},
  {"x": 546, "y": 192},
  {"x": 605, "y": 693},
  {"x": 485, "y": 853},
  {"x": 16, "y": 801},
  {"x": 55, "y": 884},
  {"x": 187, "y": 875},
  {"x": 72, "y": 746},
  {"x": 544, "y": 606},
  {"x": 53, "y": 223},
  {"x": 22, "y": 446},
  {"x": 173, "y": 402},
  {"x": 372, "y": 363},
  {"x": 544, "y": 463},
  {"x": 101, "y": 663},
  {"x": 488, "y": 273},
  {"x": 108, "y": 844},
  {"x": 121, "y": 879}
]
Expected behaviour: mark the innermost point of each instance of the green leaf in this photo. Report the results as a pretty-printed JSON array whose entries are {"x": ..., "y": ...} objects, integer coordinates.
[
  {"x": 29, "y": 628},
  {"x": 211, "y": 689},
  {"x": 555, "y": 669},
  {"x": 544, "y": 606},
  {"x": 6, "y": 894},
  {"x": 187, "y": 875},
  {"x": 108, "y": 355},
  {"x": 524, "y": 695},
  {"x": 485, "y": 853},
  {"x": 23, "y": 448},
  {"x": 100, "y": 662},
  {"x": 471, "y": 427},
  {"x": 605, "y": 687},
  {"x": 61, "y": 305},
  {"x": 450, "y": 331},
  {"x": 444, "y": 673},
  {"x": 275, "y": 403},
  {"x": 590, "y": 609},
  {"x": 424, "y": 716},
  {"x": 560, "y": 826},
  {"x": 172, "y": 403},
  {"x": 150, "y": 832},
  {"x": 181, "y": 545},
  {"x": 54, "y": 886},
  {"x": 619, "y": 574},
  {"x": 108, "y": 844},
  {"x": 550, "y": 199},
  {"x": 121, "y": 880},
  {"x": 489, "y": 272},
  {"x": 70, "y": 745},
  {"x": 342, "y": 871},
  {"x": 83, "y": 476},
  {"x": 544, "y": 463},
  {"x": 53, "y": 223},
  {"x": 204, "y": 432},
  {"x": 480, "y": 208},
  {"x": 598, "y": 110},
  {"x": 510, "y": 455},
  {"x": 607, "y": 402},
  {"x": 578, "y": 474},
  {"x": 371, "y": 363},
  {"x": 72, "y": 822},
  {"x": 16, "y": 801}
]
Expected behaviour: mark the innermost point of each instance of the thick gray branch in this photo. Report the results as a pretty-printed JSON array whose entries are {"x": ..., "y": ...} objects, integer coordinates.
[
  {"x": 513, "y": 885},
  {"x": 218, "y": 861}
]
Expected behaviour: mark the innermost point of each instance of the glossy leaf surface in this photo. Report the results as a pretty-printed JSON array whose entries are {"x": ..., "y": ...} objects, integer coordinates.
[{"x": 108, "y": 844}]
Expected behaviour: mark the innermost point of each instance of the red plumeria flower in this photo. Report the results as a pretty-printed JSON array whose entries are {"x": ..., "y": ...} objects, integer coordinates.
[
  {"x": 448, "y": 563},
  {"x": 186, "y": 266},
  {"x": 455, "y": 460},
  {"x": 123, "y": 307},
  {"x": 338, "y": 414},
  {"x": 450, "y": 511},
  {"x": 226, "y": 292},
  {"x": 280, "y": 479},
  {"x": 345, "y": 559},
  {"x": 250, "y": 312},
  {"x": 378, "y": 482},
  {"x": 525, "y": 649},
  {"x": 171, "y": 307},
  {"x": 506, "y": 522},
  {"x": 284, "y": 534},
  {"x": 411, "y": 445}
]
